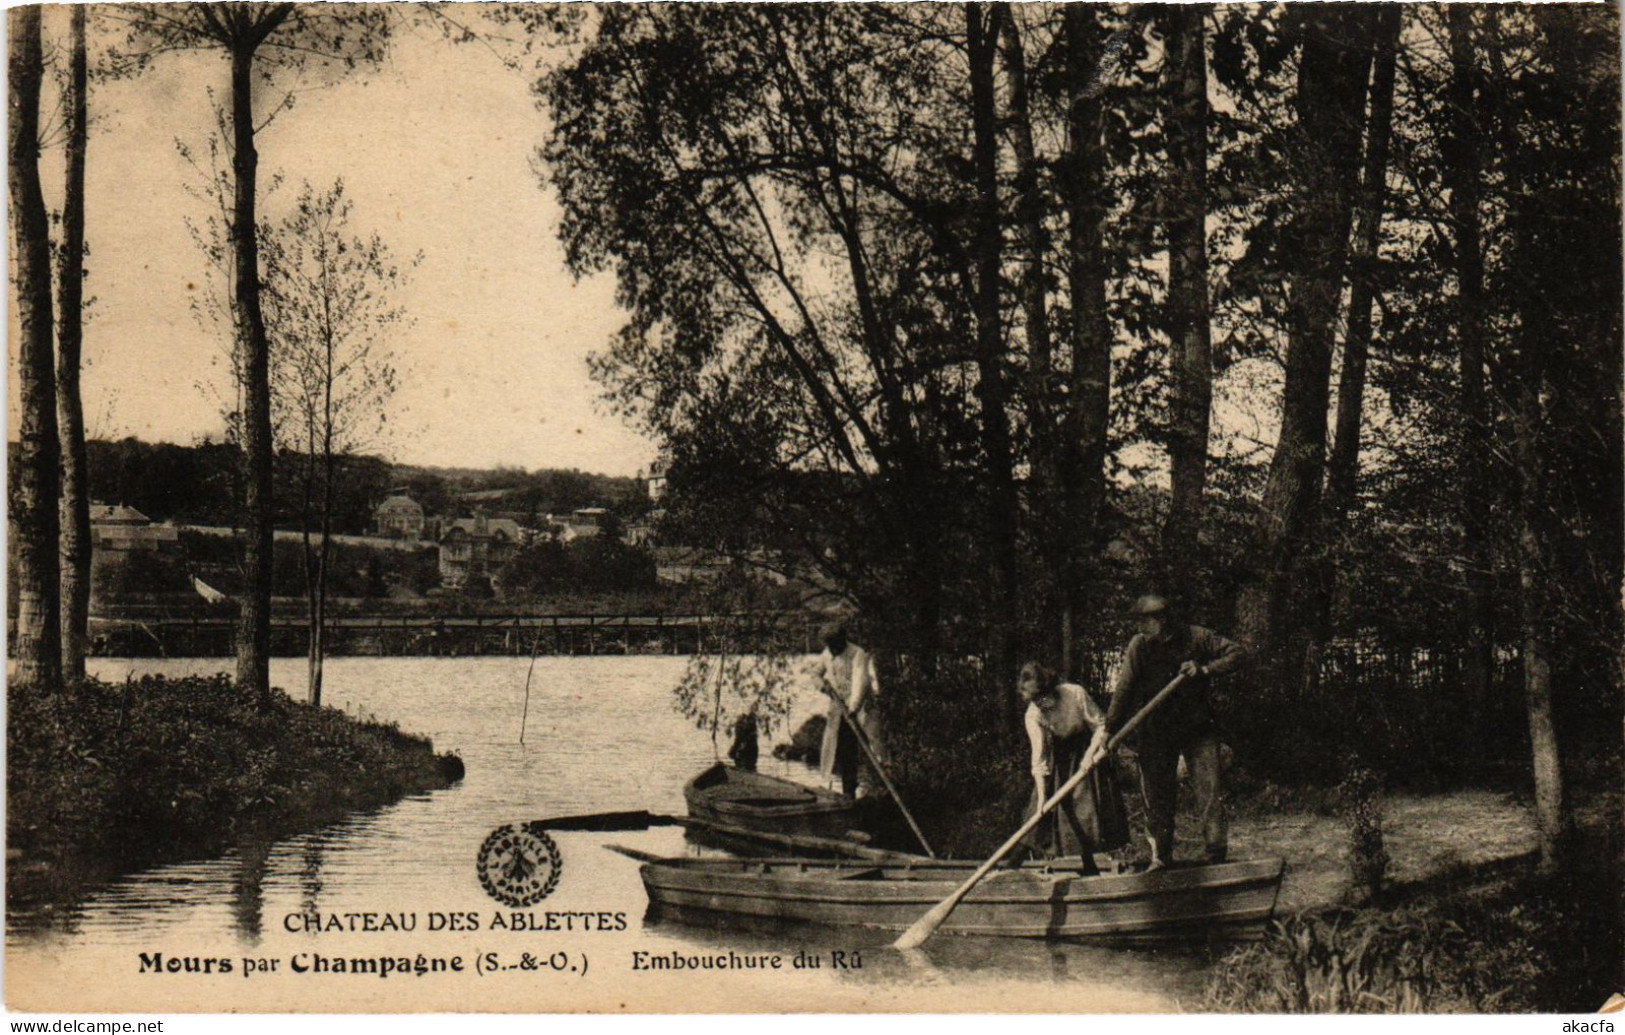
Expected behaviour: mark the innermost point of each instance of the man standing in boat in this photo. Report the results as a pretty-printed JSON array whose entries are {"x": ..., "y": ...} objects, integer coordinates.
[
  {"x": 846, "y": 674},
  {"x": 1183, "y": 725}
]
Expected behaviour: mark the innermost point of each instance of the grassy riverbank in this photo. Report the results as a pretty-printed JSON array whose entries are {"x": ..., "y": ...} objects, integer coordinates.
[
  {"x": 114, "y": 777},
  {"x": 1497, "y": 940},
  {"x": 1465, "y": 924}
]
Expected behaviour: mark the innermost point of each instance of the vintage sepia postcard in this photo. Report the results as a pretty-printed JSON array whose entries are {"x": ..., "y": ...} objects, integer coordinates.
[{"x": 814, "y": 508}]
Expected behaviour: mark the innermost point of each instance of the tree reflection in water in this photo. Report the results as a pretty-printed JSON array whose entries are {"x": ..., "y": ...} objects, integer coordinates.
[{"x": 248, "y": 889}]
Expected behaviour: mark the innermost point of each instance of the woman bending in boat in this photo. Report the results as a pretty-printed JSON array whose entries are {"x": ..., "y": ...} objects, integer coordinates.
[{"x": 1061, "y": 718}]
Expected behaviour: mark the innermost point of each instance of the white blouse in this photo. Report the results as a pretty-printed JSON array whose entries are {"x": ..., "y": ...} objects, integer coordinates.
[{"x": 1073, "y": 712}]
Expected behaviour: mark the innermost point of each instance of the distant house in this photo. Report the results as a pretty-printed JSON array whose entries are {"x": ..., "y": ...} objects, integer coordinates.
[
  {"x": 399, "y": 517},
  {"x": 121, "y": 528},
  {"x": 657, "y": 481},
  {"x": 582, "y": 524},
  {"x": 478, "y": 545},
  {"x": 570, "y": 531}
]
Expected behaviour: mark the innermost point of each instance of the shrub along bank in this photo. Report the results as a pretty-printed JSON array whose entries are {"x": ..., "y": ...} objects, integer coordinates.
[
  {"x": 1488, "y": 938},
  {"x": 112, "y": 777},
  {"x": 1538, "y": 944}
]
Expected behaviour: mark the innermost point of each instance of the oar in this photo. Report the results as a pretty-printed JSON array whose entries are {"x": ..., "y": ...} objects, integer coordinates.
[
  {"x": 643, "y": 820},
  {"x": 927, "y": 925},
  {"x": 869, "y": 752},
  {"x": 524, "y": 716},
  {"x": 634, "y": 853}
]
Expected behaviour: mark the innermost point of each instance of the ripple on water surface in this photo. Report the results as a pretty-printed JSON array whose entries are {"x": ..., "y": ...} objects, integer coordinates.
[{"x": 601, "y": 735}]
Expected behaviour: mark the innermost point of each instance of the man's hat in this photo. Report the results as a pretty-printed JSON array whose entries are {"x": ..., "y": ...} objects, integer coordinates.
[
  {"x": 1149, "y": 605},
  {"x": 835, "y": 630}
]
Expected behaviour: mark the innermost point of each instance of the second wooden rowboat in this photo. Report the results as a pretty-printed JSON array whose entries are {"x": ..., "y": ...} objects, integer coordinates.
[{"x": 739, "y": 798}]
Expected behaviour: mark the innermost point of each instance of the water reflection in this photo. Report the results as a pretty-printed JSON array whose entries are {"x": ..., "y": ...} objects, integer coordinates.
[
  {"x": 1107, "y": 978},
  {"x": 310, "y": 876},
  {"x": 601, "y": 736},
  {"x": 247, "y": 890}
]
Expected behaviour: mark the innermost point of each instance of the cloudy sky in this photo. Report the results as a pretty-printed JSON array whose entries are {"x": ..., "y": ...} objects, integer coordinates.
[{"x": 436, "y": 150}]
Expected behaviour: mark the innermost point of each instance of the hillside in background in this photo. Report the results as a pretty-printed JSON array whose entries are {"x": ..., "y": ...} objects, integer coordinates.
[{"x": 196, "y": 485}]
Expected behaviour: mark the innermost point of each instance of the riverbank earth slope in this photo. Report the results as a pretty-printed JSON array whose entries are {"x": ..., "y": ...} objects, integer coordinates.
[{"x": 110, "y": 778}]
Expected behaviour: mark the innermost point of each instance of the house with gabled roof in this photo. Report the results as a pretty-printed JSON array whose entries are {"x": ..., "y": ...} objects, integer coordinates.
[
  {"x": 118, "y": 527},
  {"x": 399, "y": 517},
  {"x": 478, "y": 545}
]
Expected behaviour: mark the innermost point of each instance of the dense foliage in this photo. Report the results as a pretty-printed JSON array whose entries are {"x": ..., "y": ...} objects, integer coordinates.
[
  {"x": 544, "y": 570},
  {"x": 117, "y": 775},
  {"x": 592, "y": 564},
  {"x": 900, "y": 313},
  {"x": 1525, "y": 946},
  {"x": 355, "y": 571}
]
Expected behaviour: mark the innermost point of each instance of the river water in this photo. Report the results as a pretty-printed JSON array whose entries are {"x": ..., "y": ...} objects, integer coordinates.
[{"x": 601, "y": 734}]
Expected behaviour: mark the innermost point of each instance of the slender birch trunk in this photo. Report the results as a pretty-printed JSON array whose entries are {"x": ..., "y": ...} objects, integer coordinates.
[
  {"x": 254, "y": 618},
  {"x": 75, "y": 543},
  {"x": 34, "y": 483}
]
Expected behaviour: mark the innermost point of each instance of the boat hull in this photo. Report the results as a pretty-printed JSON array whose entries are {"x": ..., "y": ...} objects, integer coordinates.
[
  {"x": 732, "y": 797},
  {"x": 1230, "y": 900}
]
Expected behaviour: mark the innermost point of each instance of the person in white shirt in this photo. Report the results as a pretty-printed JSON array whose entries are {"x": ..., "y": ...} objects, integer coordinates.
[
  {"x": 1061, "y": 719},
  {"x": 846, "y": 674}
]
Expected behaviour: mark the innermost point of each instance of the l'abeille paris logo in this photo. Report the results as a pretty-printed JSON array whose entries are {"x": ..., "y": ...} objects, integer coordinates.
[{"x": 519, "y": 865}]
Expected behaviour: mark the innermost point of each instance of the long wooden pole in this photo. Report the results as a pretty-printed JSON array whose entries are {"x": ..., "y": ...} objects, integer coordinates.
[
  {"x": 524, "y": 716},
  {"x": 927, "y": 925},
  {"x": 880, "y": 770},
  {"x": 627, "y": 821}
]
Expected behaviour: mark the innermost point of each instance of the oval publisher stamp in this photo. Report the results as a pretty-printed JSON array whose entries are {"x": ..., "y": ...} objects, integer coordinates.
[{"x": 519, "y": 864}]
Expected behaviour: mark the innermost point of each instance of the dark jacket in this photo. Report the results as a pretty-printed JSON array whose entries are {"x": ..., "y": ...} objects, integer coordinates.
[{"x": 1149, "y": 665}]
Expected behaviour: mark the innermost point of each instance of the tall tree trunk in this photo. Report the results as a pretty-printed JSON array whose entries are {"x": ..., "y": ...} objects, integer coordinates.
[
  {"x": 33, "y": 501},
  {"x": 1333, "y": 69},
  {"x": 1343, "y": 468},
  {"x": 1090, "y": 384},
  {"x": 75, "y": 507},
  {"x": 318, "y": 621},
  {"x": 1462, "y": 175},
  {"x": 1540, "y": 317},
  {"x": 1551, "y": 813},
  {"x": 1188, "y": 323},
  {"x": 307, "y": 493},
  {"x": 1003, "y": 512},
  {"x": 254, "y": 620},
  {"x": 319, "y": 616},
  {"x": 1044, "y": 485}
]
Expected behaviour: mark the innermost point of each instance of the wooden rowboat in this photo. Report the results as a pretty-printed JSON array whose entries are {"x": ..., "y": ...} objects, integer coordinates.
[
  {"x": 752, "y": 801},
  {"x": 1179, "y": 903}
]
